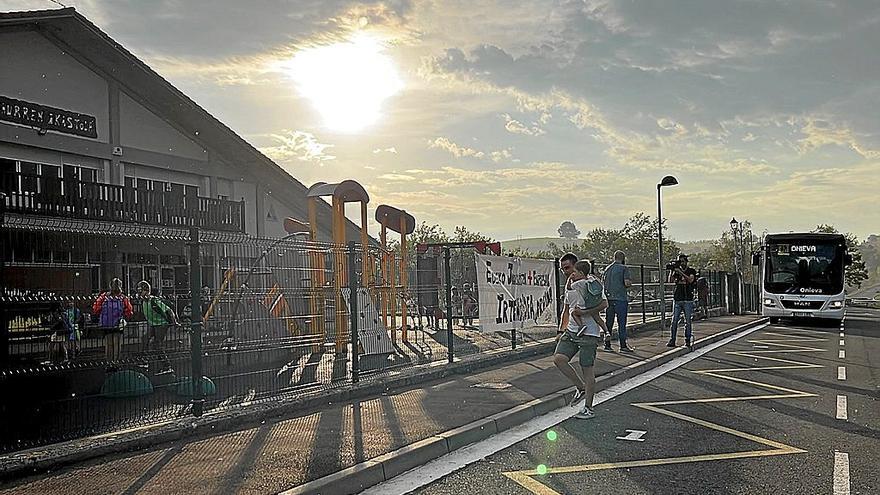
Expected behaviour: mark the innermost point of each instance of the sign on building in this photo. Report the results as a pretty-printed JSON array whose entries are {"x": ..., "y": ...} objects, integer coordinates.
[
  {"x": 515, "y": 292},
  {"x": 47, "y": 118}
]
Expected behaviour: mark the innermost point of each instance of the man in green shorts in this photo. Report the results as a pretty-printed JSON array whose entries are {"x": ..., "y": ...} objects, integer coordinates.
[{"x": 575, "y": 339}]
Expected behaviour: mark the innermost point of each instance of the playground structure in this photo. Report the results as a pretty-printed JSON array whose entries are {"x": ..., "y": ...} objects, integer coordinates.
[
  {"x": 404, "y": 224},
  {"x": 347, "y": 191}
]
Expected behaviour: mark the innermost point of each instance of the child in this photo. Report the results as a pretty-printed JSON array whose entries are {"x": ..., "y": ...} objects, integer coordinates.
[{"x": 590, "y": 289}]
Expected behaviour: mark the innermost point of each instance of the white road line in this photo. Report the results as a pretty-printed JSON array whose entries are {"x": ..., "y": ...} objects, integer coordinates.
[
  {"x": 841, "y": 473},
  {"x": 453, "y": 461},
  {"x": 841, "y": 407},
  {"x": 841, "y": 372},
  {"x": 841, "y": 354},
  {"x": 841, "y": 334},
  {"x": 841, "y": 341}
]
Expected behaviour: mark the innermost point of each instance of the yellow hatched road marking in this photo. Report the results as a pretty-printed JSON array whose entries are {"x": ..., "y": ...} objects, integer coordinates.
[{"x": 527, "y": 478}]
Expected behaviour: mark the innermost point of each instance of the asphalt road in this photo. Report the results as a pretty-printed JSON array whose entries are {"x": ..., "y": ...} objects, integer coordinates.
[{"x": 762, "y": 414}]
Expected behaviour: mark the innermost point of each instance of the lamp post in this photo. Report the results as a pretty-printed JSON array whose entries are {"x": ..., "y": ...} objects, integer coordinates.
[
  {"x": 736, "y": 228},
  {"x": 667, "y": 181}
]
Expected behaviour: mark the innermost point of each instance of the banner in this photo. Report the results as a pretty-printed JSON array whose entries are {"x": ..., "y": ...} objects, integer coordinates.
[{"x": 515, "y": 292}]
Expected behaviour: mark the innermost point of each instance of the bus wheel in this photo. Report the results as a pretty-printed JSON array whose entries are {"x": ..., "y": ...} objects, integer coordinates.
[{"x": 774, "y": 320}]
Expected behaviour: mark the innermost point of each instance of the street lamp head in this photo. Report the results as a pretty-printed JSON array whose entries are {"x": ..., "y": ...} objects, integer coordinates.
[
  {"x": 733, "y": 223},
  {"x": 668, "y": 181}
]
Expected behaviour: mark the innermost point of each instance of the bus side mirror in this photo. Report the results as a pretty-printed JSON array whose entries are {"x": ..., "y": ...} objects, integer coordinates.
[
  {"x": 756, "y": 259},
  {"x": 847, "y": 260}
]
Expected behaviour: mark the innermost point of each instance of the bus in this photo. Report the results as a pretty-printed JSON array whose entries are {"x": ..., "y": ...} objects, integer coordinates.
[{"x": 803, "y": 275}]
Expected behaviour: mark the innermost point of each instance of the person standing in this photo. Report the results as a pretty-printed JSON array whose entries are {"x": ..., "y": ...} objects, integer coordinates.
[
  {"x": 73, "y": 321},
  {"x": 581, "y": 340},
  {"x": 702, "y": 286},
  {"x": 113, "y": 309},
  {"x": 617, "y": 281},
  {"x": 683, "y": 299}
]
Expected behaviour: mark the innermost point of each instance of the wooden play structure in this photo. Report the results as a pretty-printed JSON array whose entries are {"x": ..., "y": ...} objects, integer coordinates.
[{"x": 394, "y": 277}]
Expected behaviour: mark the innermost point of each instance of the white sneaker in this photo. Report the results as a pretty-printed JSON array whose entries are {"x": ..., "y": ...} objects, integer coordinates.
[{"x": 586, "y": 413}]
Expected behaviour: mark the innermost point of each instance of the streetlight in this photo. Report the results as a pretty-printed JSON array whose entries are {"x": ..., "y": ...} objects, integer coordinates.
[
  {"x": 667, "y": 181},
  {"x": 738, "y": 249}
]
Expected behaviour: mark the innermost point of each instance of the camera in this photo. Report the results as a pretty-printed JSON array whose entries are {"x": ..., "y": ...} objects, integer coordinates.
[{"x": 673, "y": 265}]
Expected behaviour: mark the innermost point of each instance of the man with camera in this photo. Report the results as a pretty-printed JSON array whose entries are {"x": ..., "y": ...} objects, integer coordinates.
[{"x": 683, "y": 300}]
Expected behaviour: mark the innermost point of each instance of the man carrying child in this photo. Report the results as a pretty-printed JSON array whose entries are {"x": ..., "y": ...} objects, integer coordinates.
[{"x": 580, "y": 330}]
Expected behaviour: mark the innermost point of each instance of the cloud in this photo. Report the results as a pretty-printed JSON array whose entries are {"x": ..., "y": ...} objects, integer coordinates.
[
  {"x": 456, "y": 150},
  {"x": 391, "y": 150},
  {"x": 298, "y": 146},
  {"x": 516, "y": 127}
]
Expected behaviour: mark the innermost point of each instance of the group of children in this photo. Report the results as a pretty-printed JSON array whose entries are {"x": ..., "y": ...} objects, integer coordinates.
[{"x": 112, "y": 310}]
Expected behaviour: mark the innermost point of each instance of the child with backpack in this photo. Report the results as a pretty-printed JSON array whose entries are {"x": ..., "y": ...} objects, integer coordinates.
[
  {"x": 590, "y": 288},
  {"x": 113, "y": 309}
]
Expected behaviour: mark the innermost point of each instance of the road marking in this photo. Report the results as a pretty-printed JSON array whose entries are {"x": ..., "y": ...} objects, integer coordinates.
[
  {"x": 841, "y": 334},
  {"x": 529, "y": 479},
  {"x": 634, "y": 436},
  {"x": 841, "y": 354},
  {"x": 449, "y": 463},
  {"x": 841, "y": 372},
  {"x": 841, "y": 407},
  {"x": 841, "y": 342},
  {"x": 841, "y": 473}
]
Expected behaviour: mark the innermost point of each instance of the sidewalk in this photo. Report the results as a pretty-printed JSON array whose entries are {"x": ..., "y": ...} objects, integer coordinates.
[{"x": 284, "y": 453}]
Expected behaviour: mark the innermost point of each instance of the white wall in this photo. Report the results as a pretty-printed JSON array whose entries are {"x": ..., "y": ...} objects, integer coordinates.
[
  {"x": 140, "y": 128},
  {"x": 34, "y": 69}
]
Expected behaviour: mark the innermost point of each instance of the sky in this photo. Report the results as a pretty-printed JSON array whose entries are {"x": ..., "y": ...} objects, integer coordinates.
[{"x": 511, "y": 117}]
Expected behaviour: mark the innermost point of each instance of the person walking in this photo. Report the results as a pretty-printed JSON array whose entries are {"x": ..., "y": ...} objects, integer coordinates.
[
  {"x": 683, "y": 299},
  {"x": 574, "y": 339},
  {"x": 113, "y": 309},
  {"x": 617, "y": 281},
  {"x": 159, "y": 318}
]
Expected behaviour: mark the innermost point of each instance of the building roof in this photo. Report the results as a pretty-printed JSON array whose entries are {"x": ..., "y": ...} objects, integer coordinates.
[{"x": 67, "y": 27}]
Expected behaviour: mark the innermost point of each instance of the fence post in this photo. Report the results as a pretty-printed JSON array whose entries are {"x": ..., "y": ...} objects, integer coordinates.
[
  {"x": 4, "y": 321},
  {"x": 353, "y": 307},
  {"x": 642, "y": 278},
  {"x": 195, "y": 336},
  {"x": 449, "y": 333},
  {"x": 558, "y": 295}
]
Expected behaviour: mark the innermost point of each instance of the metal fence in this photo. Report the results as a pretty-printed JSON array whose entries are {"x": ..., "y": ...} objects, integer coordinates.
[{"x": 258, "y": 319}]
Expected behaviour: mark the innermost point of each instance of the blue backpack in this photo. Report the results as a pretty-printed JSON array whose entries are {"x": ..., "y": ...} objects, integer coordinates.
[{"x": 111, "y": 311}]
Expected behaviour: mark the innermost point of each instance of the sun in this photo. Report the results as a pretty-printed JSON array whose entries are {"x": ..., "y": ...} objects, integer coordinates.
[{"x": 346, "y": 82}]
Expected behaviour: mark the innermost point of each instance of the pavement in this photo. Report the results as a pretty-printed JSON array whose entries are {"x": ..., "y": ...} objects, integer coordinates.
[
  {"x": 789, "y": 408},
  {"x": 397, "y": 429}
]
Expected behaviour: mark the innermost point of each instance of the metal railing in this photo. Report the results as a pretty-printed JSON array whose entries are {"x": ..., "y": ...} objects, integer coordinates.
[{"x": 178, "y": 207}]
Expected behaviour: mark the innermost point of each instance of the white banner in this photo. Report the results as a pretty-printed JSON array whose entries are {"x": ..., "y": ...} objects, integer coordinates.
[{"x": 515, "y": 292}]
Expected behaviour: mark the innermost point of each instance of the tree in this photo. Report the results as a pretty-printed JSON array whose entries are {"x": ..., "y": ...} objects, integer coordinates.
[
  {"x": 568, "y": 231},
  {"x": 637, "y": 238},
  {"x": 462, "y": 234},
  {"x": 856, "y": 272}
]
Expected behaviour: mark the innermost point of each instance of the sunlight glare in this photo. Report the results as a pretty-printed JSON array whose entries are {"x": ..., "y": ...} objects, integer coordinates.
[{"x": 346, "y": 82}]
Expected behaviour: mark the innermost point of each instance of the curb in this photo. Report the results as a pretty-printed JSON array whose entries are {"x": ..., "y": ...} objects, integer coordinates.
[
  {"x": 385, "y": 467},
  {"x": 53, "y": 456}
]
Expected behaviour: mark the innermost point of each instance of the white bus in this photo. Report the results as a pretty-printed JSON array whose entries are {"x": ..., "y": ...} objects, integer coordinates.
[{"x": 803, "y": 275}]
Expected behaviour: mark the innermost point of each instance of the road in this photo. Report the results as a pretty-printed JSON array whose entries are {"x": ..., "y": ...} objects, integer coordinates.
[{"x": 789, "y": 408}]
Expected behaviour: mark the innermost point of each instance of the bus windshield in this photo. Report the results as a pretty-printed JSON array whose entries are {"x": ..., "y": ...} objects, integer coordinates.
[{"x": 804, "y": 268}]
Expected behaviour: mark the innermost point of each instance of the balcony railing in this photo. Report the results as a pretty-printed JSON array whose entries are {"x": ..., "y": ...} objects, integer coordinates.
[{"x": 179, "y": 207}]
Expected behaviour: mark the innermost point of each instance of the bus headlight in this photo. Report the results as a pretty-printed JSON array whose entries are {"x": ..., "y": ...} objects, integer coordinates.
[
  {"x": 769, "y": 302},
  {"x": 836, "y": 304}
]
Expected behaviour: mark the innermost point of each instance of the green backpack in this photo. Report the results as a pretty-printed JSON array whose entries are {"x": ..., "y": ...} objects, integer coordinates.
[{"x": 591, "y": 292}]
